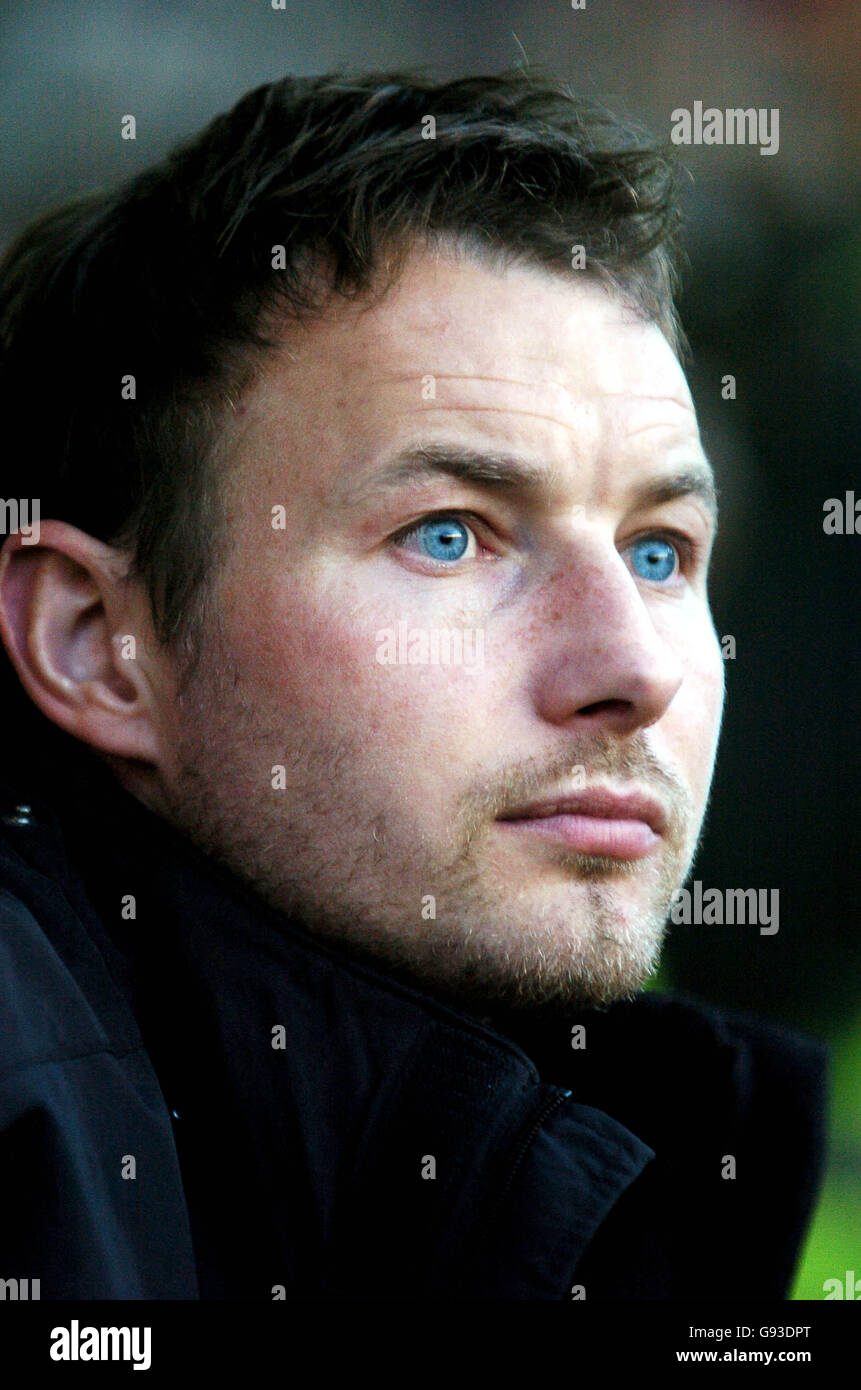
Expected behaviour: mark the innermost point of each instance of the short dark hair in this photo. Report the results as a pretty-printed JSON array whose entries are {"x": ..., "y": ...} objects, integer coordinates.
[{"x": 171, "y": 279}]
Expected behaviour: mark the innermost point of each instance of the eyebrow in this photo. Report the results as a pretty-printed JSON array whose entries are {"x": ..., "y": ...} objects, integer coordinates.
[{"x": 511, "y": 476}]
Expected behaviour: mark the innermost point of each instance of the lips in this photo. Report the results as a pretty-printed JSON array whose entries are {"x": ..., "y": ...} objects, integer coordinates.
[
  {"x": 600, "y": 803},
  {"x": 618, "y": 825}
]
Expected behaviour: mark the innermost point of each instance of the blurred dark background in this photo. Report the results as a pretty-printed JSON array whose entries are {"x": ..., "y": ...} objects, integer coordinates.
[{"x": 772, "y": 297}]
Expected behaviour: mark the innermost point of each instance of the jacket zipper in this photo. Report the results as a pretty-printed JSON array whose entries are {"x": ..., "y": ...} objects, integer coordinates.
[{"x": 547, "y": 1108}]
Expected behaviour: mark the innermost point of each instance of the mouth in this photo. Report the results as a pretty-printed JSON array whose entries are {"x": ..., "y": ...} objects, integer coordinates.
[{"x": 617, "y": 825}]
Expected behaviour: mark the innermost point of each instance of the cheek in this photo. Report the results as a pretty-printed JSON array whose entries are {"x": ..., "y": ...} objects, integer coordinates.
[
  {"x": 710, "y": 676},
  {"x": 697, "y": 710},
  {"x": 346, "y": 671}
]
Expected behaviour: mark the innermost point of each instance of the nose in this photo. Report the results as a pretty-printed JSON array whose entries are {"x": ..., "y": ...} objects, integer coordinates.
[{"x": 604, "y": 666}]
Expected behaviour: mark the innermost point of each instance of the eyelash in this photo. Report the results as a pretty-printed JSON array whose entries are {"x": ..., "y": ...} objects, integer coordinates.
[{"x": 688, "y": 549}]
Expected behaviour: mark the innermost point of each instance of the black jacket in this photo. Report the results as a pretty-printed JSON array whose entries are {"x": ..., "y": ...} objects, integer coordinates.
[{"x": 285, "y": 1106}]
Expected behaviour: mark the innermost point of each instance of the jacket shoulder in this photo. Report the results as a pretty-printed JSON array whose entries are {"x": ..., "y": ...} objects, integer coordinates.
[
  {"x": 84, "y": 1129},
  {"x": 58, "y": 999},
  {"x": 735, "y": 1108}
]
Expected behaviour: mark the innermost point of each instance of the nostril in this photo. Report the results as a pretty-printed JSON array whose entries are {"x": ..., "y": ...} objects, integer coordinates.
[{"x": 607, "y": 707}]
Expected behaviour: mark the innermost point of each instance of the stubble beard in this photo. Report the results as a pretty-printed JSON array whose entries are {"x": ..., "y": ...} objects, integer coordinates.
[{"x": 431, "y": 917}]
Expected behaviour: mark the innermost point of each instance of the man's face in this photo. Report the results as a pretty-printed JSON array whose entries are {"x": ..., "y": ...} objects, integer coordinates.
[{"x": 568, "y": 577}]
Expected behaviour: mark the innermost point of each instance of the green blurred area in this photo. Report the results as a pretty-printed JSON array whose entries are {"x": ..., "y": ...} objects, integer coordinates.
[{"x": 833, "y": 1243}]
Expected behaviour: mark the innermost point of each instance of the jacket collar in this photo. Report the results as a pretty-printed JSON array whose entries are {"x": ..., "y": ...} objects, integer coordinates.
[{"x": 411, "y": 1078}]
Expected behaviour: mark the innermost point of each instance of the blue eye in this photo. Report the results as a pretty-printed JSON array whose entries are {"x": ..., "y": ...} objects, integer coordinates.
[
  {"x": 654, "y": 558},
  {"x": 443, "y": 538}
]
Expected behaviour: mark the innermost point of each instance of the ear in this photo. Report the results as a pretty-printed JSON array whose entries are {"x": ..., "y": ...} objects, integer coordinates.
[{"x": 80, "y": 639}]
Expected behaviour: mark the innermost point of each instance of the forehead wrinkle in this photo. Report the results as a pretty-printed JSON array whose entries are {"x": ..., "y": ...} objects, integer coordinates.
[
  {"x": 497, "y": 410},
  {"x": 537, "y": 387},
  {"x": 686, "y": 405},
  {"x": 653, "y": 425},
  {"x": 645, "y": 396},
  {"x": 476, "y": 376}
]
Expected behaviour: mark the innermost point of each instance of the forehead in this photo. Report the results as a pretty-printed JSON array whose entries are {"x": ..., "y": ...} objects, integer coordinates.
[
  {"x": 562, "y": 330},
  {"x": 550, "y": 364}
]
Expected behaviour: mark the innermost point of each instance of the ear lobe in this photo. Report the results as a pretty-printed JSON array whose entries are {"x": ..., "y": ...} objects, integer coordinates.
[{"x": 61, "y": 602}]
